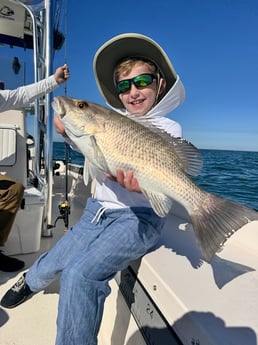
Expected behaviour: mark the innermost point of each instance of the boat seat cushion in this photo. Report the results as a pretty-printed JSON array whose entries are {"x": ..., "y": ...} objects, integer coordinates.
[{"x": 8, "y": 134}]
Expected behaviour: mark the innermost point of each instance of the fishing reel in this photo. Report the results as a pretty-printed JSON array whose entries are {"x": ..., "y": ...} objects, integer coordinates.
[{"x": 64, "y": 210}]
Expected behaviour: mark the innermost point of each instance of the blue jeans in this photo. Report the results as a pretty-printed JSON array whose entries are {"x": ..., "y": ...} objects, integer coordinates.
[{"x": 88, "y": 256}]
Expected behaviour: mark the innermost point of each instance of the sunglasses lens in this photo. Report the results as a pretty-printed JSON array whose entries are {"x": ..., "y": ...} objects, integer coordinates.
[
  {"x": 143, "y": 80},
  {"x": 123, "y": 86}
]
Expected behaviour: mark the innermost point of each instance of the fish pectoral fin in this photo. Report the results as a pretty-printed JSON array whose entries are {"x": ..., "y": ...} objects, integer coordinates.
[
  {"x": 86, "y": 172},
  {"x": 96, "y": 174},
  {"x": 98, "y": 155},
  {"x": 91, "y": 172},
  {"x": 160, "y": 203}
]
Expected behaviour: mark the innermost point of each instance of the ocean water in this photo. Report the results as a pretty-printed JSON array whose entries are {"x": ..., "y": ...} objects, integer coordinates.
[{"x": 230, "y": 174}]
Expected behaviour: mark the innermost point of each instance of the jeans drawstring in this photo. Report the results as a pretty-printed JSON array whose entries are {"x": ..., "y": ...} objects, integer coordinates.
[{"x": 98, "y": 215}]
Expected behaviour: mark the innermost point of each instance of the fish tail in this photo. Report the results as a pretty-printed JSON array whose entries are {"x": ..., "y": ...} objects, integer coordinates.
[{"x": 216, "y": 220}]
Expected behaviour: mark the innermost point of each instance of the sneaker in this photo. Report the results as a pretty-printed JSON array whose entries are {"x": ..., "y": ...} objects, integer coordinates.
[
  {"x": 19, "y": 293},
  {"x": 8, "y": 264}
]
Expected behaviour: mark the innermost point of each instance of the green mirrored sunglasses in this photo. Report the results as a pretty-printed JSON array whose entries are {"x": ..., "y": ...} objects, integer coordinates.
[{"x": 141, "y": 80}]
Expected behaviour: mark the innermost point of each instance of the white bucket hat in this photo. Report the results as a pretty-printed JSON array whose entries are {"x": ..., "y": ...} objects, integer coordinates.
[{"x": 128, "y": 45}]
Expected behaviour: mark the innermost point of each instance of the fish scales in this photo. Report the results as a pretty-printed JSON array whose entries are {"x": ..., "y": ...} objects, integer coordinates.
[
  {"x": 134, "y": 147},
  {"x": 160, "y": 163}
]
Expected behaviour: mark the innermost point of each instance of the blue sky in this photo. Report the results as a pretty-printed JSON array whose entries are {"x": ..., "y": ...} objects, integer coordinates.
[{"x": 213, "y": 45}]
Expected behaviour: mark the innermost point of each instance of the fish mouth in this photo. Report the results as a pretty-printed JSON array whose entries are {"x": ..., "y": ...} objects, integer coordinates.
[{"x": 58, "y": 107}]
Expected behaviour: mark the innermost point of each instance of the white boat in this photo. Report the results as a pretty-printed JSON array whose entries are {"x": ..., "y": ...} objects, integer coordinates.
[{"x": 168, "y": 297}]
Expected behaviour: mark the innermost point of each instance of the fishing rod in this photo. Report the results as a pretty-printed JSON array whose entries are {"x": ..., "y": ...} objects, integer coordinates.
[{"x": 64, "y": 206}]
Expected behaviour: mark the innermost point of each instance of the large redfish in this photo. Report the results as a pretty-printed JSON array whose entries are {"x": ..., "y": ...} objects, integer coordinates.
[{"x": 160, "y": 163}]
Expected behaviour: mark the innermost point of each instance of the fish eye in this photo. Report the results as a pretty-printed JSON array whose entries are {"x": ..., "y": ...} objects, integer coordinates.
[{"x": 82, "y": 105}]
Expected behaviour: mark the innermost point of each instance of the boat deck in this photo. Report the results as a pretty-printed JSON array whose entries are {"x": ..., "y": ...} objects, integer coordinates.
[
  {"x": 169, "y": 294},
  {"x": 33, "y": 322}
]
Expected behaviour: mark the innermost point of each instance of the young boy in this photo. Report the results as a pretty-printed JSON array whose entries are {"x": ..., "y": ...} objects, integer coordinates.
[{"x": 135, "y": 76}]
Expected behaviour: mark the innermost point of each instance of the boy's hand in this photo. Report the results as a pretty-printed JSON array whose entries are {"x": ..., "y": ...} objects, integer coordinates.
[{"x": 126, "y": 179}]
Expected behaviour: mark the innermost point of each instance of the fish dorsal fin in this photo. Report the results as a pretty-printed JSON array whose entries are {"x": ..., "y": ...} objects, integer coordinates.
[
  {"x": 160, "y": 203},
  {"x": 190, "y": 157}
]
